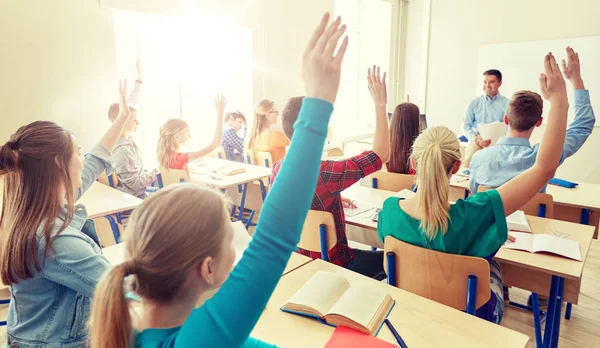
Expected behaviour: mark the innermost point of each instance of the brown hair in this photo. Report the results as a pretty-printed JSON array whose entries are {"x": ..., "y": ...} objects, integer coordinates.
[
  {"x": 235, "y": 115},
  {"x": 35, "y": 162},
  {"x": 524, "y": 110},
  {"x": 290, "y": 115},
  {"x": 113, "y": 111},
  {"x": 435, "y": 152},
  {"x": 173, "y": 230},
  {"x": 166, "y": 143},
  {"x": 404, "y": 129},
  {"x": 261, "y": 109}
]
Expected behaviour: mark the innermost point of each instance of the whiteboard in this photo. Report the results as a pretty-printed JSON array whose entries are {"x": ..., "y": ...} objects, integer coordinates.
[{"x": 522, "y": 62}]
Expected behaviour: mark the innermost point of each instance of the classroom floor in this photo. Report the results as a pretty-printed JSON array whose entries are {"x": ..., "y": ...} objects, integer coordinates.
[{"x": 583, "y": 330}]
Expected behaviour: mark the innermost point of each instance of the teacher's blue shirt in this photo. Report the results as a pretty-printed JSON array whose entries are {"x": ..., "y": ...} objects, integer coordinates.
[
  {"x": 482, "y": 110},
  {"x": 495, "y": 165}
]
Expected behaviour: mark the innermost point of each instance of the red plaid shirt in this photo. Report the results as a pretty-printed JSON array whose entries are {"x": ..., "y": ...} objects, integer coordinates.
[{"x": 334, "y": 177}]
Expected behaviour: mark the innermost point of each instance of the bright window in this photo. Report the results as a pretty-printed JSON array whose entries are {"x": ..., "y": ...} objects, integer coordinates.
[{"x": 186, "y": 61}]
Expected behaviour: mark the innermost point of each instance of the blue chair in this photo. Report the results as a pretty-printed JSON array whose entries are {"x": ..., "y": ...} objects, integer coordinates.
[
  {"x": 107, "y": 230},
  {"x": 318, "y": 233},
  {"x": 4, "y": 302},
  {"x": 384, "y": 180},
  {"x": 461, "y": 282},
  {"x": 171, "y": 176}
]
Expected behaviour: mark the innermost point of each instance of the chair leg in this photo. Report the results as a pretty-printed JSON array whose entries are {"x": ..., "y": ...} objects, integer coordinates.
[
  {"x": 536, "y": 320},
  {"x": 373, "y": 248},
  {"x": 568, "y": 311}
]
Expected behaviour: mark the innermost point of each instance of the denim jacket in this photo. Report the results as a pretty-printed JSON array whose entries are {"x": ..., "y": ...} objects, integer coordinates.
[{"x": 52, "y": 308}]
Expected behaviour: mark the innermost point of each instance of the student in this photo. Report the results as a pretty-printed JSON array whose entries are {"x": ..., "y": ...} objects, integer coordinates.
[
  {"x": 179, "y": 240},
  {"x": 50, "y": 253},
  {"x": 475, "y": 226},
  {"x": 404, "y": 129},
  {"x": 263, "y": 138},
  {"x": 232, "y": 143},
  {"x": 487, "y": 108},
  {"x": 513, "y": 154},
  {"x": 176, "y": 132},
  {"x": 336, "y": 176},
  {"x": 126, "y": 157}
]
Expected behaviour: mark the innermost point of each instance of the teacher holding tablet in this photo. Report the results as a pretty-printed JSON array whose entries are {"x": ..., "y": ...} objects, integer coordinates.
[{"x": 489, "y": 107}]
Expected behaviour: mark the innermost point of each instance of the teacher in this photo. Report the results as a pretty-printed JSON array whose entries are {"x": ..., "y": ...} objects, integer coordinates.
[{"x": 487, "y": 108}]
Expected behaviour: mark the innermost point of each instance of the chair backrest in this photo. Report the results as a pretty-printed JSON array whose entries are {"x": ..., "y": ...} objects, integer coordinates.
[
  {"x": 219, "y": 152},
  {"x": 438, "y": 276},
  {"x": 173, "y": 176},
  {"x": 385, "y": 180},
  {"x": 111, "y": 180},
  {"x": 533, "y": 206},
  {"x": 318, "y": 226},
  {"x": 105, "y": 232},
  {"x": 264, "y": 159}
]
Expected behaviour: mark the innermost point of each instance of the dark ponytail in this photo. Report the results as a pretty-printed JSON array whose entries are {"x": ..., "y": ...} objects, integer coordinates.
[{"x": 8, "y": 157}]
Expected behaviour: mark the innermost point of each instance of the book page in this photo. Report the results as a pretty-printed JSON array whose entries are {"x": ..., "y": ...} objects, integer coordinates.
[
  {"x": 240, "y": 241},
  {"x": 518, "y": 222},
  {"x": 556, "y": 245},
  {"x": 523, "y": 241},
  {"x": 360, "y": 208},
  {"x": 492, "y": 131},
  {"x": 359, "y": 303},
  {"x": 321, "y": 291}
]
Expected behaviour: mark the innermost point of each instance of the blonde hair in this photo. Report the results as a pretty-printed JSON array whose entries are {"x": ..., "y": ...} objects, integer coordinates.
[
  {"x": 260, "y": 123},
  {"x": 167, "y": 143},
  {"x": 435, "y": 152},
  {"x": 173, "y": 230}
]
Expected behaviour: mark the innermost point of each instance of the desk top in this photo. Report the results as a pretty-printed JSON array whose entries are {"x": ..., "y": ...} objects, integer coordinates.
[
  {"x": 585, "y": 195},
  {"x": 100, "y": 200},
  {"x": 421, "y": 322},
  {"x": 252, "y": 173},
  {"x": 545, "y": 263},
  {"x": 548, "y": 263}
]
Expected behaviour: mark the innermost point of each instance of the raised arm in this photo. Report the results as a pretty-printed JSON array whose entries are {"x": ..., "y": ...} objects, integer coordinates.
[
  {"x": 112, "y": 135},
  {"x": 217, "y": 137},
  {"x": 283, "y": 215},
  {"x": 378, "y": 90},
  {"x": 583, "y": 124},
  {"x": 522, "y": 188}
]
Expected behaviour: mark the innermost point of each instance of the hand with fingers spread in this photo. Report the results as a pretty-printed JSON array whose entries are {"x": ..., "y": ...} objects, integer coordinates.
[
  {"x": 321, "y": 65},
  {"x": 348, "y": 203},
  {"x": 552, "y": 82},
  {"x": 571, "y": 69},
  {"x": 140, "y": 72},
  {"x": 377, "y": 86},
  {"x": 123, "y": 107},
  {"x": 220, "y": 104}
]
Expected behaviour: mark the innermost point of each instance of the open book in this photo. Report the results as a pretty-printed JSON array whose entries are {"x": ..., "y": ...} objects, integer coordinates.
[
  {"x": 360, "y": 208},
  {"x": 224, "y": 168},
  {"x": 334, "y": 300},
  {"x": 535, "y": 243},
  {"x": 518, "y": 222},
  {"x": 332, "y": 150}
]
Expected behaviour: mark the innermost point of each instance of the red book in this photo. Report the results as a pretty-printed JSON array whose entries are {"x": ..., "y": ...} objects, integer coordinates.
[{"x": 344, "y": 337}]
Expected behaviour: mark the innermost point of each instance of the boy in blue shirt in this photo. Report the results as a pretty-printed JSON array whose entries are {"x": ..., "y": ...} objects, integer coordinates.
[{"x": 513, "y": 154}]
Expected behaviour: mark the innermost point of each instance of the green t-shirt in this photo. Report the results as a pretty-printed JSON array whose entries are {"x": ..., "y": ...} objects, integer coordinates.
[{"x": 477, "y": 226}]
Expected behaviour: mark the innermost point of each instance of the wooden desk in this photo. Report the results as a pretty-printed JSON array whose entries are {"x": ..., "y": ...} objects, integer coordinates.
[
  {"x": 100, "y": 200},
  {"x": 253, "y": 173},
  {"x": 421, "y": 322},
  {"x": 580, "y": 204}
]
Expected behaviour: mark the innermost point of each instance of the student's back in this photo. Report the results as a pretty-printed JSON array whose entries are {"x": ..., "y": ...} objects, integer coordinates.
[
  {"x": 404, "y": 129},
  {"x": 262, "y": 137},
  {"x": 513, "y": 154}
]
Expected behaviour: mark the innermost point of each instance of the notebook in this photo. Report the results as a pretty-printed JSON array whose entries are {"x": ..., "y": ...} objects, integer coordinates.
[
  {"x": 331, "y": 150},
  {"x": 360, "y": 208},
  {"x": 333, "y": 300},
  {"x": 536, "y": 243},
  {"x": 241, "y": 240},
  {"x": 226, "y": 169},
  {"x": 345, "y": 337},
  {"x": 518, "y": 222}
]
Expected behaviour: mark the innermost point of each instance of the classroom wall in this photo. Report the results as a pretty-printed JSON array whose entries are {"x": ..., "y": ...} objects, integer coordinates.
[
  {"x": 457, "y": 29},
  {"x": 58, "y": 64},
  {"x": 63, "y": 51}
]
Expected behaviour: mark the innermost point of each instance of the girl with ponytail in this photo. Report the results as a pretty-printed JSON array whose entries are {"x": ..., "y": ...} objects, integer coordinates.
[
  {"x": 50, "y": 255},
  {"x": 179, "y": 241},
  {"x": 262, "y": 137},
  {"x": 475, "y": 226}
]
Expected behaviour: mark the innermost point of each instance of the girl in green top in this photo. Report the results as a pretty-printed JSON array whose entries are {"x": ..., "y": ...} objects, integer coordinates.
[
  {"x": 179, "y": 241},
  {"x": 475, "y": 226}
]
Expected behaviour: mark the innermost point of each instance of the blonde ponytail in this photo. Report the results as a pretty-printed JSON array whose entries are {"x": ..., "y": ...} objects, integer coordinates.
[
  {"x": 260, "y": 124},
  {"x": 435, "y": 152},
  {"x": 166, "y": 143},
  {"x": 110, "y": 322}
]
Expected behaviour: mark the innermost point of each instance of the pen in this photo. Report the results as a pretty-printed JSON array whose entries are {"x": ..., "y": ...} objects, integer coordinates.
[{"x": 395, "y": 333}]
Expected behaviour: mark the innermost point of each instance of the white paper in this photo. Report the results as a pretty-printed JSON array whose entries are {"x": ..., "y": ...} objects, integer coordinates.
[
  {"x": 458, "y": 178},
  {"x": 518, "y": 222},
  {"x": 241, "y": 240},
  {"x": 360, "y": 208},
  {"x": 556, "y": 245},
  {"x": 523, "y": 241},
  {"x": 404, "y": 194},
  {"x": 492, "y": 131}
]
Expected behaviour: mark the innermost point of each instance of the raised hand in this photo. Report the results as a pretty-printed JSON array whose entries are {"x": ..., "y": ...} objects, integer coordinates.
[
  {"x": 571, "y": 70},
  {"x": 220, "y": 104},
  {"x": 320, "y": 65},
  {"x": 123, "y": 107},
  {"x": 377, "y": 86},
  {"x": 552, "y": 82},
  {"x": 140, "y": 72}
]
